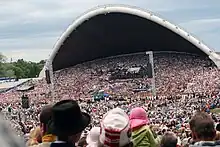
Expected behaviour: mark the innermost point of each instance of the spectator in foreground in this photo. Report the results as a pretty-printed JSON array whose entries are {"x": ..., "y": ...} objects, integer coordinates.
[
  {"x": 68, "y": 123},
  {"x": 93, "y": 137},
  {"x": 217, "y": 137},
  {"x": 203, "y": 130},
  {"x": 115, "y": 129},
  {"x": 47, "y": 136},
  {"x": 169, "y": 139},
  {"x": 141, "y": 133},
  {"x": 82, "y": 141},
  {"x": 35, "y": 137},
  {"x": 7, "y": 137}
]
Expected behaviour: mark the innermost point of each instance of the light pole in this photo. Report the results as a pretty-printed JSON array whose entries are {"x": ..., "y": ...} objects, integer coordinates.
[{"x": 151, "y": 60}]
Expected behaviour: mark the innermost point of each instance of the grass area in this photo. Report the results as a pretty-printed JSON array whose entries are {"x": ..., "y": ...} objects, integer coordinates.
[{"x": 216, "y": 110}]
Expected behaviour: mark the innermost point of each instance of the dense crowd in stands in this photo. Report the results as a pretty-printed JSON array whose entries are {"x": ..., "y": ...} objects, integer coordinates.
[{"x": 185, "y": 84}]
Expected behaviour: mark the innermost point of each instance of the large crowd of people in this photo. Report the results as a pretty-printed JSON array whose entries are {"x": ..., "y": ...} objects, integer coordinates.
[{"x": 187, "y": 88}]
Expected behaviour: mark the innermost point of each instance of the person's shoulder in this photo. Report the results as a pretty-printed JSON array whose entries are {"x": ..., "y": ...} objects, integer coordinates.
[
  {"x": 206, "y": 144},
  {"x": 44, "y": 144}
]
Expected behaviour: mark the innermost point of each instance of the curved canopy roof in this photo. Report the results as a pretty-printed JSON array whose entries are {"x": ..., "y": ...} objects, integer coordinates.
[{"x": 114, "y": 30}]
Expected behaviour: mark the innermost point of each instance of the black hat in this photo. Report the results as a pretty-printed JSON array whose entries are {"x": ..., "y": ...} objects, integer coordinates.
[
  {"x": 67, "y": 118},
  {"x": 46, "y": 114}
]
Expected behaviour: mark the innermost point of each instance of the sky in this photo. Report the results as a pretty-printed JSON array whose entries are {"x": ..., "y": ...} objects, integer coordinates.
[{"x": 30, "y": 28}]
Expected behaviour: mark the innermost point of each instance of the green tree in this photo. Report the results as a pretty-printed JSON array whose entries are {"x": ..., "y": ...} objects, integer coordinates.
[
  {"x": 2, "y": 61},
  {"x": 42, "y": 62},
  {"x": 2, "y": 58},
  {"x": 8, "y": 68},
  {"x": 18, "y": 72},
  {"x": 20, "y": 68},
  {"x": 10, "y": 73}
]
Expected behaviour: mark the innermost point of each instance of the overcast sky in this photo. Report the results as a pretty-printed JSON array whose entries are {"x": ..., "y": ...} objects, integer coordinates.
[{"x": 30, "y": 28}]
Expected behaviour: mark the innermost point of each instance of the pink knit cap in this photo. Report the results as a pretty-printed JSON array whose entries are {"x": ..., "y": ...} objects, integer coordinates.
[{"x": 138, "y": 117}]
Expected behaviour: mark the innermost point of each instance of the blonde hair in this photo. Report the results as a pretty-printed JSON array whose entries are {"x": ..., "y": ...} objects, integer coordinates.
[
  {"x": 217, "y": 137},
  {"x": 35, "y": 137}
]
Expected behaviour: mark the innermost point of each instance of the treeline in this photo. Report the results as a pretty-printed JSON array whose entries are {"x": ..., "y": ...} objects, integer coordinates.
[{"x": 20, "y": 68}]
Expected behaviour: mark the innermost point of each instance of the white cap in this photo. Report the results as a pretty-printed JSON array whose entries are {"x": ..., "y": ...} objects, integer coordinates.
[{"x": 115, "y": 128}]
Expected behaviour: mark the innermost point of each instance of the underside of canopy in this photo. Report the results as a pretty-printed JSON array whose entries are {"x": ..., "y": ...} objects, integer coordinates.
[{"x": 115, "y": 30}]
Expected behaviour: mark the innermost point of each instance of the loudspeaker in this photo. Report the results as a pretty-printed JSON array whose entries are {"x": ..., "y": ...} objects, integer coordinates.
[
  {"x": 149, "y": 71},
  {"x": 25, "y": 102},
  {"x": 47, "y": 73}
]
